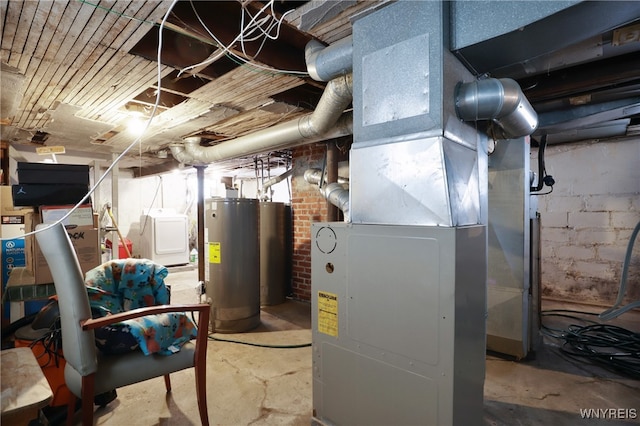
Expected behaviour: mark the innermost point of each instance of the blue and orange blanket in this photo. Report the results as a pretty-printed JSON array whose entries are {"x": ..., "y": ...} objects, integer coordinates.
[{"x": 124, "y": 284}]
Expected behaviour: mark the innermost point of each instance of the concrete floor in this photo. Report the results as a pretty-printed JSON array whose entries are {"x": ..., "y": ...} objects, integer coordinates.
[{"x": 248, "y": 385}]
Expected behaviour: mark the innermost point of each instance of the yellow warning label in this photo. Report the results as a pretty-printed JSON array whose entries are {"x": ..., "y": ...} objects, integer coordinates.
[
  {"x": 328, "y": 313},
  {"x": 214, "y": 252}
]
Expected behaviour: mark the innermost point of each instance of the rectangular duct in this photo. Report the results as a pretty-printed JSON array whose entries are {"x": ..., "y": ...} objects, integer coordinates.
[
  {"x": 416, "y": 163},
  {"x": 520, "y": 38}
]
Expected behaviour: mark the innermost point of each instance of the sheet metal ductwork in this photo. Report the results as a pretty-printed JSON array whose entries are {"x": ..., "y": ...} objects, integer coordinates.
[
  {"x": 500, "y": 100},
  {"x": 339, "y": 197},
  {"x": 326, "y": 122},
  {"x": 411, "y": 264},
  {"x": 413, "y": 161}
]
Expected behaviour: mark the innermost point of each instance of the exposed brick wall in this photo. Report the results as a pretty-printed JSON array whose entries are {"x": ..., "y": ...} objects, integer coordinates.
[
  {"x": 587, "y": 221},
  {"x": 308, "y": 206}
]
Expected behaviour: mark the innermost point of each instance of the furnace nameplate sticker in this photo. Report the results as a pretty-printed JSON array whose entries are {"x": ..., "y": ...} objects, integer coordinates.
[
  {"x": 214, "y": 252},
  {"x": 328, "y": 313}
]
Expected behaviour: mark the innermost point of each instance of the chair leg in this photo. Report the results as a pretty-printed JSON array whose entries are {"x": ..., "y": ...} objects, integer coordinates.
[
  {"x": 201, "y": 392},
  {"x": 167, "y": 382},
  {"x": 88, "y": 393},
  {"x": 71, "y": 409}
]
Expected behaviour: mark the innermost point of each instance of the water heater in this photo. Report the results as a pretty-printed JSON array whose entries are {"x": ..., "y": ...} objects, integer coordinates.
[{"x": 234, "y": 264}]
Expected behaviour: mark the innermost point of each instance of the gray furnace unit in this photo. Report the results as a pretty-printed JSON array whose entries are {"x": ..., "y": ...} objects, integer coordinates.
[
  {"x": 399, "y": 294},
  {"x": 398, "y": 324}
]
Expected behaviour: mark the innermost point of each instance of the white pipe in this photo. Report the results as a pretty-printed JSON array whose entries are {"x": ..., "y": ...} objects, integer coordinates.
[
  {"x": 178, "y": 152},
  {"x": 277, "y": 179},
  {"x": 269, "y": 183}
]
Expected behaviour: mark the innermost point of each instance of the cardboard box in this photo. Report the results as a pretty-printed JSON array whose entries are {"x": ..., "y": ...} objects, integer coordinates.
[
  {"x": 82, "y": 216},
  {"x": 15, "y": 225},
  {"x": 15, "y": 258},
  {"x": 86, "y": 244}
]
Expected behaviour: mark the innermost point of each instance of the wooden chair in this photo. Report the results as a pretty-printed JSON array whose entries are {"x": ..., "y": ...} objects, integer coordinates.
[{"x": 89, "y": 373}]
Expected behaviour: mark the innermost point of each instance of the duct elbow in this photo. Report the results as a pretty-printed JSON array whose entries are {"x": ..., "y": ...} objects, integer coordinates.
[
  {"x": 313, "y": 176},
  {"x": 324, "y": 63},
  {"x": 339, "y": 197},
  {"x": 335, "y": 98},
  {"x": 500, "y": 100},
  {"x": 178, "y": 152},
  {"x": 186, "y": 153},
  {"x": 333, "y": 192},
  {"x": 311, "y": 52}
]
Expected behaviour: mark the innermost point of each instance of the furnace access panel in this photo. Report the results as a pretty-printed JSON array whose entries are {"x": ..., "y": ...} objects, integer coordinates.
[{"x": 398, "y": 317}]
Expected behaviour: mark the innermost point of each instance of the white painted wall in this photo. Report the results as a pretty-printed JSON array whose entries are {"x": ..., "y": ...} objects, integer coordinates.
[
  {"x": 588, "y": 219},
  {"x": 177, "y": 190}
]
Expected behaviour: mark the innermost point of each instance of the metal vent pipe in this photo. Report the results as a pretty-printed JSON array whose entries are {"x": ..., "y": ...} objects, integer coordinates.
[
  {"x": 326, "y": 122},
  {"x": 313, "y": 176},
  {"x": 325, "y": 63},
  {"x": 268, "y": 184},
  {"x": 339, "y": 197},
  {"x": 334, "y": 192},
  {"x": 500, "y": 100}
]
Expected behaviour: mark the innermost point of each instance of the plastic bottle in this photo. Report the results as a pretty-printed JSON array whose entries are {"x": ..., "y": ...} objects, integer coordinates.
[{"x": 193, "y": 256}]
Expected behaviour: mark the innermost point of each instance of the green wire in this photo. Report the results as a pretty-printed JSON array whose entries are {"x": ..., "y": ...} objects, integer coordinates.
[{"x": 97, "y": 6}]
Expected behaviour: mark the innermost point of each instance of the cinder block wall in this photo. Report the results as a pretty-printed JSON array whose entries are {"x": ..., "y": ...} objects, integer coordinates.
[
  {"x": 588, "y": 219},
  {"x": 307, "y": 206}
]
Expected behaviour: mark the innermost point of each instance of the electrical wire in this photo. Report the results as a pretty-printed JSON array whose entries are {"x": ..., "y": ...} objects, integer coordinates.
[
  {"x": 218, "y": 55},
  {"x": 260, "y": 345},
  {"x": 543, "y": 193},
  {"x": 543, "y": 178},
  {"x": 609, "y": 346},
  {"x": 211, "y": 336},
  {"x": 128, "y": 148},
  {"x": 146, "y": 218},
  {"x": 274, "y": 23},
  {"x": 226, "y": 50},
  {"x": 615, "y": 310}
]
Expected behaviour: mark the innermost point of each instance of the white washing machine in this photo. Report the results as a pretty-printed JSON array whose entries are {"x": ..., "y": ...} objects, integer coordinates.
[{"x": 165, "y": 236}]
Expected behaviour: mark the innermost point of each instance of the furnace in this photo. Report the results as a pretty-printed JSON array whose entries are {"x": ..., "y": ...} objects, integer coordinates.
[{"x": 399, "y": 290}]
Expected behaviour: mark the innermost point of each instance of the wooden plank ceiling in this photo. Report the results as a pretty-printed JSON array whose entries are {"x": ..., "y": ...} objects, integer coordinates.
[
  {"x": 84, "y": 68},
  {"x": 76, "y": 72}
]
